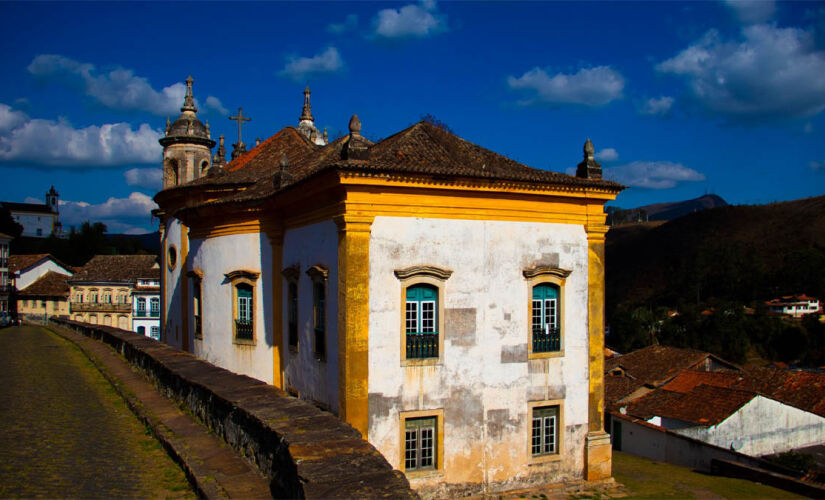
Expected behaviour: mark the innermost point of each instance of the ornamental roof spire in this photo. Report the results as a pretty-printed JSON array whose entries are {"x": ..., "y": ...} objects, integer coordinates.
[
  {"x": 306, "y": 113},
  {"x": 589, "y": 168},
  {"x": 189, "y": 100}
]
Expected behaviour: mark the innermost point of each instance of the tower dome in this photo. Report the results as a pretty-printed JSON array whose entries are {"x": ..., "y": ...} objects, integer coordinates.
[{"x": 186, "y": 145}]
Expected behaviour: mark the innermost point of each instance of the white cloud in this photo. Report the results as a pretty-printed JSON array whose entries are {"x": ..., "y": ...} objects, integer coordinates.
[
  {"x": 657, "y": 106},
  {"x": 607, "y": 154},
  {"x": 652, "y": 174},
  {"x": 10, "y": 119},
  {"x": 771, "y": 74},
  {"x": 215, "y": 104},
  {"x": 752, "y": 11},
  {"x": 22, "y": 140},
  {"x": 149, "y": 178},
  {"x": 136, "y": 206},
  {"x": 299, "y": 68},
  {"x": 589, "y": 86},
  {"x": 118, "y": 89},
  {"x": 410, "y": 21},
  {"x": 349, "y": 24}
]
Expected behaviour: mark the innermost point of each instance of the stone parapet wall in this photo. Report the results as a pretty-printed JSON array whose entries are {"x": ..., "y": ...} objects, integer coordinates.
[{"x": 303, "y": 451}]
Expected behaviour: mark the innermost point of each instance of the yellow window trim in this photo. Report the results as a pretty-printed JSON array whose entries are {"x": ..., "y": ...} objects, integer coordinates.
[
  {"x": 439, "y": 450},
  {"x": 537, "y": 276},
  {"x": 555, "y": 457},
  {"x": 417, "y": 275}
]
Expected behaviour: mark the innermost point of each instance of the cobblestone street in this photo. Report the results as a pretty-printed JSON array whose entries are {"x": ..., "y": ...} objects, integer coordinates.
[{"x": 65, "y": 432}]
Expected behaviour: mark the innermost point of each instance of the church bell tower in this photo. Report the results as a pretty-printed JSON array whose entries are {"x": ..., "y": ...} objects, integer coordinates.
[{"x": 187, "y": 145}]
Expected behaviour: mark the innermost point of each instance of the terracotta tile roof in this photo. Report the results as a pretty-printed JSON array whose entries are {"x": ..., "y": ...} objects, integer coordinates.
[
  {"x": 51, "y": 284},
  {"x": 802, "y": 389},
  {"x": 118, "y": 268},
  {"x": 655, "y": 365},
  {"x": 27, "y": 207},
  {"x": 704, "y": 405},
  {"x": 419, "y": 149},
  {"x": 20, "y": 262},
  {"x": 618, "y": 387},
  {"x": 689, "y": 379}
]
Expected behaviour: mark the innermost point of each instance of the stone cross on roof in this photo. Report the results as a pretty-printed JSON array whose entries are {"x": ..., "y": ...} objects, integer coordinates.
[{"x": 240, "y": 118}]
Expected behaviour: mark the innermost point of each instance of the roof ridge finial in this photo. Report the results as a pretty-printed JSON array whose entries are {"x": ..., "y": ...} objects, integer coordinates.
[
  {"x": 189, "y": 100},
  {"x": 306, "y": 113},
  {"x": 355, "y": 126},
  {"x": 589, "y": 168}
]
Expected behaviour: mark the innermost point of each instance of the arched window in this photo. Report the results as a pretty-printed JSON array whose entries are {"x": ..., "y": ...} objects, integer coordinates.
[
  {"x": 141, "y": 330},
  {"x": 141, "y": 306},
  {"x": 546, "y": 324},
  {"x": 244, "y": 318},
  {"x": 204, "y": 167},
  {"x": 154, "y": 307},
  {"x": 421, "y": 321},
  {"x": 319, "y": 274},
  {"x": 243, "y": 304}
]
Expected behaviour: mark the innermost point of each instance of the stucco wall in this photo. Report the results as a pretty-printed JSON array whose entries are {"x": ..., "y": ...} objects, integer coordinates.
[
  {"x": 762, "y": 427},
  {"x": 214, "y": 257},
  {"x": 171, "y": 294},
  {"x": 485, "y": 381},
  {"x": 314, "y": 379},
  {"x": 32, "y": 222}
]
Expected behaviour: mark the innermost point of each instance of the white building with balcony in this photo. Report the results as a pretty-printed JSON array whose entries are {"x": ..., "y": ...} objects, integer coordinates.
[{"x": 146, "y": 307}]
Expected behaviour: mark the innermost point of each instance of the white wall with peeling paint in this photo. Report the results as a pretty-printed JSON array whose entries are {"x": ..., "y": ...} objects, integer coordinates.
[{"x": 485, "y": 381}]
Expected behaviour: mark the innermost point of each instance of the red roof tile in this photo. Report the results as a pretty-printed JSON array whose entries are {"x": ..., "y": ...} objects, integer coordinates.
[
  {"x": 689, "y": 379},
  {"x": 655, "y": 365},
  {"x": 51, "y": 284},
  {"x": 802, "y": 389},
  {"x": 704, "y": 405},
  {"x": 117, "y": 268}
]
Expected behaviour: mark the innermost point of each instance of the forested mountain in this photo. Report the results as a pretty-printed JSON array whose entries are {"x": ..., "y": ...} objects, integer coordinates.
[{"x": 718, "y": 259}]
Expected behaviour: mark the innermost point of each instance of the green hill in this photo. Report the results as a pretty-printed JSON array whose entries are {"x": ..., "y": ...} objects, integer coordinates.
[{"x": 734, "y": 253}]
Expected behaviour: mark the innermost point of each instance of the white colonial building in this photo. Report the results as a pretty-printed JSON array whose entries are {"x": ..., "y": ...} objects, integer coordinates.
[
  {"x": 38, "y": 220},
  {"x": 444, "y": 300}
]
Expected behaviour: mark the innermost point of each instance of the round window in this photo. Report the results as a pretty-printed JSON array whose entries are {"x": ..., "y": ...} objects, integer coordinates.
[{"x": 172, "y": 258}]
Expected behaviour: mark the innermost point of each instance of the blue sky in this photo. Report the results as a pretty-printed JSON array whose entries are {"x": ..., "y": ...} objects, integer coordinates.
[{"x": 679, "y": 99}]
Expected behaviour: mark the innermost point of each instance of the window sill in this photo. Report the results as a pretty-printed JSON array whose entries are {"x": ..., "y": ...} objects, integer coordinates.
[
  {"x": 421, "y": 361},
  {"x": 543, "y": 459},
  {"x": 542, "y": 355},
  {"x": 246, "y": 342},
  {"x": 424, "y": 474}
]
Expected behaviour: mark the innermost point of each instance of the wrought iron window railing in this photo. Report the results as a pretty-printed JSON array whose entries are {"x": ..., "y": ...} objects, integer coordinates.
[
  {"x": 422, "y": 345},
  {"x": 546, "y": 340},
  {"x": 243, "y": 329},
  {"x": 147, "y": 314}
]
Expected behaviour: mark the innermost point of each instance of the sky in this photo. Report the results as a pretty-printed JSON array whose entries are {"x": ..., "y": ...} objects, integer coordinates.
[{"x": 679, "y": 98}]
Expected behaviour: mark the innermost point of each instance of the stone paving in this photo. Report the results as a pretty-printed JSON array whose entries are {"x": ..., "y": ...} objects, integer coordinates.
[{"x": 64, "y": 432}]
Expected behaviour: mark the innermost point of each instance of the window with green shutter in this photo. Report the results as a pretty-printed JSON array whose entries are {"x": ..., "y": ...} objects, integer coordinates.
[
  {"x": 546, "y": 324},
  {"x": 420, "y": 443},
  {"x": 244, "y": 321},
  {"x": 545, "y": 431},
  {"x": 421, "y": 321}
]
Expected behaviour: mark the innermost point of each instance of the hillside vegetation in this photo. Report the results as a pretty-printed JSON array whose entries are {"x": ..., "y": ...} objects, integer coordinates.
[{"x": 715, "y": 261}]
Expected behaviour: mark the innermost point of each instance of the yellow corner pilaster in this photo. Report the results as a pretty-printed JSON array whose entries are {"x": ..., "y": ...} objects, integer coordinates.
[
  {"x": 353, "y": 318},
  {"x": 598, "y": 449},
  {"x": 276, "y": 239}
]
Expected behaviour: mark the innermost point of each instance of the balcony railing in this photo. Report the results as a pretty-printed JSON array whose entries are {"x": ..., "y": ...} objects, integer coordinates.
[
  {"x": 147, "y": 314},
  {"x": 100, "y": 307},
  {"x": 243, "y": 330},
  {"x": 546, "y": 340},
  {"x": 422, "y": 345}
]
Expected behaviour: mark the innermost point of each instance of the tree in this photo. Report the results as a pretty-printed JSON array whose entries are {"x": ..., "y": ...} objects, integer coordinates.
[{"x": 8, "y": 225}]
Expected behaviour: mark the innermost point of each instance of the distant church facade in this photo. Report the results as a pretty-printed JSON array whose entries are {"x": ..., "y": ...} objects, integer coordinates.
[
  {"x": 444, "y": 300},
  {"x": 38, "y": 220}
]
